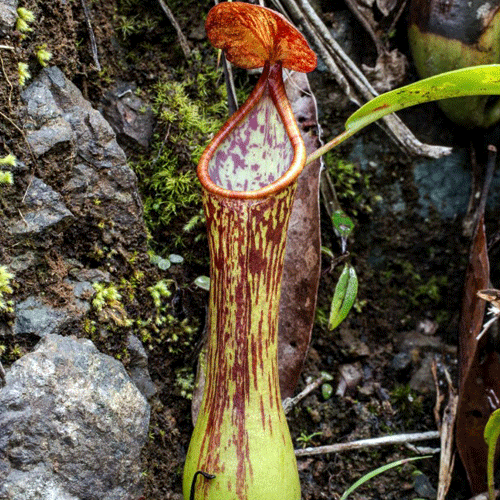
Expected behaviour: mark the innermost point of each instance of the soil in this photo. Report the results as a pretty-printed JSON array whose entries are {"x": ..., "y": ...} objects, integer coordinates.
[{"x": 396, "y": 255}]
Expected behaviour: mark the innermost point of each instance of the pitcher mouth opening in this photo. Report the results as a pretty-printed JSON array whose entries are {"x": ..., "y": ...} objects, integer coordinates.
[{"x": 259, "y": 151}]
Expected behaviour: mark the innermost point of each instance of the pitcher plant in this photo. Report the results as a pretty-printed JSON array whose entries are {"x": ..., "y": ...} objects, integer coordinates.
[{"x": 241, "y": 444}]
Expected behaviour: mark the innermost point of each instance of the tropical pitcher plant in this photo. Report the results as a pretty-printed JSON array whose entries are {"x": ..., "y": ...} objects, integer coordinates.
[{"x": 241, "y": 447}]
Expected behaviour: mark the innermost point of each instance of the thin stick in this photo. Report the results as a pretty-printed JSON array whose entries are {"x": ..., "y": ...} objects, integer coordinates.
[
  {"x": 180, "y": 35},
  {"x": 232, "y": 100},
  {"x": 8, "y": 82},
  {"x": 289, "y": 403},
  {"x": 93, "y": 44},
  {"x": 6, "y": 47},
  {"x": 447, "y": 458},
  {"x": 368, "y": 443}
]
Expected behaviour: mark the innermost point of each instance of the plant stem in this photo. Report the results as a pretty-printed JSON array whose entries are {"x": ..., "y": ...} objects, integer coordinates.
[{"x": 330, "y": 145}]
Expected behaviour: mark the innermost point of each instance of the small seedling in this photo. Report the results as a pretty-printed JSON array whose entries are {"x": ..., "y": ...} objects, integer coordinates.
[{"x": 306, "y": 439}]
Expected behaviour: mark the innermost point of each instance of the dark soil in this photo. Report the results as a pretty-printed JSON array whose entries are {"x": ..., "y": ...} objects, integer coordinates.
[{"x": 395, "y": 254}]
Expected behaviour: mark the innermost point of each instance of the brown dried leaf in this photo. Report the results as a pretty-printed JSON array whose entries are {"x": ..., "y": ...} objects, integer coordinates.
[
  {"x": 389, "y": 71},
  {"x": 479, "y": 368},
  {"x": 386, "y": 6},
  {"x": 302, "y": 259}
]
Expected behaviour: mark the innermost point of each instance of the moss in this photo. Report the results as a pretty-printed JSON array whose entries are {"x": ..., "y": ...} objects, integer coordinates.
[
  {"x": 184, "y": 379},
  {"x": 23, "y": 73},
  {"x": 190, "y": 110},
  {"x": 107, "y": 302},
  {"x": 5, "y": 289},
  {"x": 43, "y": 55},
  {"x": 352, "y": 184},
  {"x": 407, "y": 403}
]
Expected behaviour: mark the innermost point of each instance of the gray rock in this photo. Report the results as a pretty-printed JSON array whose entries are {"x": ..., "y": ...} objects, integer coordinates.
[
  {"x": 8, "y": 14},
  {"x": 22, "y": 262},
  {"x": 98, "y": 185},
  {"x": 138, "y": 367},
  {"x": 72, "y": 426},
  {"x": 424, "y": 488},
  {"x": 443, "y": 184},
  {"x": 35, "y": 317},
  {"x": 57, "y": 132},
  {"x": 401, "y": 362},
  {"x": 44, "y": 210},
  {"x": 128, "y": 115}
]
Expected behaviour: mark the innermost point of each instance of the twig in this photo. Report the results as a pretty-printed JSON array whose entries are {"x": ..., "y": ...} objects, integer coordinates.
[
  {"x": 22, "y": 134},
  {"x": 2, "y": 375},
  {"x": 422, "y": 450},
  {"x": 9, "y": 84},
  {"x": 446, "y": 428},
  {"x": 232, "y": 100},
  {"x": 180, "y": 35},
  {"x": 289, "y": 403},
  {"x": 6, "y": 47},
  {"x": 93, "y": 44},
  {"x": 368, "y": 443}
]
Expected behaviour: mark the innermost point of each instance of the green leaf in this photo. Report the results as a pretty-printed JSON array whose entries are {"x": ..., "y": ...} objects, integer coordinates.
[
  {"x": 203, "y": 282},
  {"x": 175, "y": 259},
  {"x": 491, "y": 433},
  {"x": 343, "y": 225},
  {"x": 327, "y": 251},
  {"x": 476, "y": 80},
  {"x": 378, "y": 471},
  {"x": 343, "y": 297},
  {"x": 326, "y": 391}
]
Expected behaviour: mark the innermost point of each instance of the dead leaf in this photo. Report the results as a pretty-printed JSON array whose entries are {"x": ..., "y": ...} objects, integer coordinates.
[
  {"x": 389, "y": 71},
  {"x": 479, "y": 368},
  {"x": 302, "y": 259},
  {"x": 386, "y": 6}
]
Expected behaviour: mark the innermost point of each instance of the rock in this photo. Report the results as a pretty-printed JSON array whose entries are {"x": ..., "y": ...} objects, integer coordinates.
[
  {"x": 401, "y": 362},
  {"x": 96, "y": 184},
  {"x": 443, "y": 184},
  {"x": 138, "y": 367},
  {"x": 45, "y": 210},
  {"x": 350, "y": 376},
  {"x": 422, "y": 380},
  {"x": 72, "y": 425},
  {"x": 57, "y": 132},
  {"x": 423, "y": 487},
  {"x": 22, "y": 262},
  {"x": 129, "y": 116},
  {"x": 8, "y": 14},
  {"x": 35, "y": 317}
]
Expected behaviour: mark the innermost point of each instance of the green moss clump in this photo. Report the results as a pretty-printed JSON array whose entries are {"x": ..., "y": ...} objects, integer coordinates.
[
  {"x": 352, "y": 184},
  {"x": 190, "y": 110},
  {"x": 5, "y": 288}
]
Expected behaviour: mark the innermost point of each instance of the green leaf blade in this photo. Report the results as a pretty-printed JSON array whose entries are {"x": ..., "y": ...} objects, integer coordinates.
[
  {"x": 491, "y": 434},
  {"x": 344, "y": 296},
  {"x": 476, "y": 80},
  {"x": 378, "y": 471}
]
